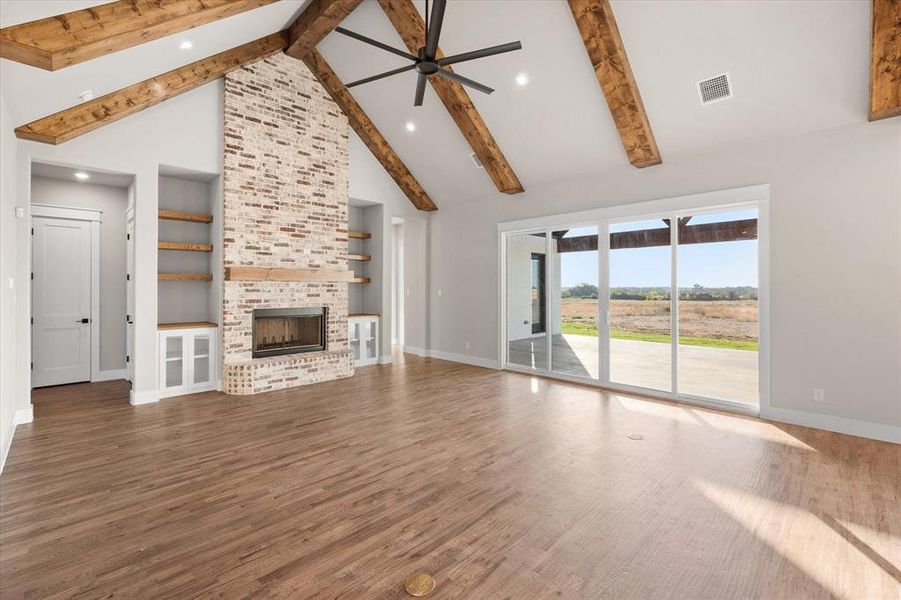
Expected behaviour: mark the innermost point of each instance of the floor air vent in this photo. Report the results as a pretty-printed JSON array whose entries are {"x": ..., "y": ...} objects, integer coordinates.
[{"x": 715, "y": 89}]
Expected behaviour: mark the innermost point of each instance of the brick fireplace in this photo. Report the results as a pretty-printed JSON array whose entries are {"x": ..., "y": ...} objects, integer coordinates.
[{"x": 284, "y": 207}]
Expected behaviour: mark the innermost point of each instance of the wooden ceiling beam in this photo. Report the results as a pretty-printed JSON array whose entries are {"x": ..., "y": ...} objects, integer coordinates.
[
  {"x": 78, "y": 120},
  {"x": 315, "y": 22},
  {"x": 411, "y": 27},
  {"x": 368, "y": 132},
  {"x": 64, "y": 40},
  {"x": 885, "y": 60},
  {"x": 602, "y": 41}
]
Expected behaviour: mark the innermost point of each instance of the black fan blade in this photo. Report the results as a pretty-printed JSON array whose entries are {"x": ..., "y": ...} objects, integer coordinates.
[
  {"x": 457, "y": 58},
  {"x": 382, "y": 75},
  {"x": 464, "y": 80},
  {"x": 375, "y": 43},
  {"x": 420, "y": 90},
  {"x": 434, "y": 32}
]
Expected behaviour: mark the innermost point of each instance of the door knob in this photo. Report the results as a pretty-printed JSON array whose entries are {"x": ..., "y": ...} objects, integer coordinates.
[{"x": 84, "y": 321}]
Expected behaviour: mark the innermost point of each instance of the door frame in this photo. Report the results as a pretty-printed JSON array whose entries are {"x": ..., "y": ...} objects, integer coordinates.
[
  {"x": 542, "y": 290},
  {"x": 95, "y": 217},
  {"x": 757, "y": 196}
]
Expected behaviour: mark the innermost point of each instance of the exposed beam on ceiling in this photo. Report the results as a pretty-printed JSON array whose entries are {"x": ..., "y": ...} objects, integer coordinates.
[
  {"x": 601, "y": 38},
  {"x": 315, "y": 22},
  {"x": 77, "y": 36},
  {"x": 707, "y": 233},
  {"x": 368, "y": 132},
  {"x": 78, "y": 120},
  {"x": 411, "y": 27},
  {"x": 885, "y": 60}
]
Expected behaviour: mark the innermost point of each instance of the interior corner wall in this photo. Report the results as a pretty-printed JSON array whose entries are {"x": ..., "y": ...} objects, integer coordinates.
[
  {"x": 835, "y": 255},
  {"x": 9, "y": 283},
  {"x": 112, "y": 202},
  {"x": 370, "y": 182}
]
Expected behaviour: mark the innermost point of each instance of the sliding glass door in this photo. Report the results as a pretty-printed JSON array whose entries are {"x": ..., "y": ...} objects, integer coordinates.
[
  {"x": 717, "y": 279},
  {"x": 640, "y": 304},
  {"x": 666, "y": 303},
  {"x": 526, "y": 303},
  {"x": 574, "y": 302}
]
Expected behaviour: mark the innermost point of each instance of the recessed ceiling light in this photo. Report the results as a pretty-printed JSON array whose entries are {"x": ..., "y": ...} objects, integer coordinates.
[
  {"x": 522, "y": 79},
  {"x": 186, "y": 45},
  {"x": 86, "y": 95},
  {"x": 81, "y": 175},
  {"x": 411, "y": 126}
]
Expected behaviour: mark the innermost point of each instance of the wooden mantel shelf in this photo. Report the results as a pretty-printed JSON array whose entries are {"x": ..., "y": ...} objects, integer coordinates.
[
  {"x": 282, "y": 274},
  {"x": 359, "y": 235}
]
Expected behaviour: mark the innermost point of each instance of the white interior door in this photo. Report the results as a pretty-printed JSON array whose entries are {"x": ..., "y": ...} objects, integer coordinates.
[{"x": 61, "y": 301}]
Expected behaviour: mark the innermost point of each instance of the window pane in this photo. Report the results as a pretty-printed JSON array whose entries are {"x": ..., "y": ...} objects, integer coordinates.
[
  {"x": 527, "y": 296},
  {"x": 574, "y": 301},
  {"x": 717, "y": 277},
  {"x": 640, "y": 304}
]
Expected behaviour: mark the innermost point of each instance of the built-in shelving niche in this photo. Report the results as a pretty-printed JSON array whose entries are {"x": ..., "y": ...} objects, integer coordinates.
[
  {"x": 189, "y": 246},
  {"x": 363, "y": 257}
]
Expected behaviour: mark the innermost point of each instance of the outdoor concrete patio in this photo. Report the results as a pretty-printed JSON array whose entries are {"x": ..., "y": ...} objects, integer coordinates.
[{"x": 719, "y": 373}]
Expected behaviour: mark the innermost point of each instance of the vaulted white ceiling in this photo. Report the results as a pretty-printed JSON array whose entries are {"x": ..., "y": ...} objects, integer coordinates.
[{"x": 796, "y": 67}]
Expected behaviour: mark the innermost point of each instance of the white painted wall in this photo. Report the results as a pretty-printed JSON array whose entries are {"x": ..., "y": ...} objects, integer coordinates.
[
  {"x": 112, "y": 201},
  {"x": 835, "y": 254},
  {"x": 8, "y": 282}
]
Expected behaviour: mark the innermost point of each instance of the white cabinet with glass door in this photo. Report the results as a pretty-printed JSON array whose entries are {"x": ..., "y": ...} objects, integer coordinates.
[
  {"x": 187, "y": 361},
  {"x": 363, "y": 338}
]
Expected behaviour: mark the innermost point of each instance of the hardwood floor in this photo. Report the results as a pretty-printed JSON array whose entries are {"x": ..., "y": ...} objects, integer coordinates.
[{"x": 500, "y": 485}]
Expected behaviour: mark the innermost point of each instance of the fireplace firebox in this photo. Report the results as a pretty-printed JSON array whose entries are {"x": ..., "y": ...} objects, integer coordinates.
[{"x": 278, "y": 331}]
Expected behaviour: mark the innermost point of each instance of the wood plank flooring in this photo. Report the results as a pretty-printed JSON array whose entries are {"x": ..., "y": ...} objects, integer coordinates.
[{"x": 500, "y": 485}]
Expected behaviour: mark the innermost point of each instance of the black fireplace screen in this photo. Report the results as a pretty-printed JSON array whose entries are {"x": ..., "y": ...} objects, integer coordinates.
[{"x": 278, "y": 331}]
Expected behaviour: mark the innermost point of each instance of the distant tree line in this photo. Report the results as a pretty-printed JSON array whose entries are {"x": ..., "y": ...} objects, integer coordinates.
[{"x": 695, "y": 292}]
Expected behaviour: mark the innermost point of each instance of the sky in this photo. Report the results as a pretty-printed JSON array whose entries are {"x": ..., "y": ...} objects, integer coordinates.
[{"x": 725, "y": 264}]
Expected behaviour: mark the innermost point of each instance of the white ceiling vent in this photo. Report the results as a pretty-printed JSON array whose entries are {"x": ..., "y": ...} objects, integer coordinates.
[
  {"x": 476, "y": 161},
  {"x": 715, "y": 89}
]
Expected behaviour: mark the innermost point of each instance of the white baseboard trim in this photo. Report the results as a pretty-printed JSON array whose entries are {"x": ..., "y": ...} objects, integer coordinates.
[
  {"x": 20, "y": 417},
  {"x": 138, "y": 398},
  {"x": 475, "y": 361},
  {"x": 386, "y": 360},
  {"x": 25, "y": 415},
  {"x": 416, "y": 351},
  {"x": 875, "y": 431},
  {"x": 110, "y": 375}
]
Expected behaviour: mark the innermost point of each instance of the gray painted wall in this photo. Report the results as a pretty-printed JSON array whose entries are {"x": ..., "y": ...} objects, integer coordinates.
[{"x": 112, "y": 201}]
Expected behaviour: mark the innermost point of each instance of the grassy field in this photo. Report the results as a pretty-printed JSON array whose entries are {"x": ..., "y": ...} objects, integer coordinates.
[{"x": 715, "y": 324}]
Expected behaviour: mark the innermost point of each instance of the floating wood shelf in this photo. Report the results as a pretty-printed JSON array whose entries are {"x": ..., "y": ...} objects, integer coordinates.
[
  {"x": 352, "y": 315},
  {"x": 188, "y": 325},
  {"x": 185, "y": 277},
  {"x": 359, "y": 235},
  {"x": 361, "y": 280},
  {"x": 360, "y": 257},
  {"x": 185, "y": 246},
  {"x": 178, "y": 215},
  {"x": 282, "y": 274}
]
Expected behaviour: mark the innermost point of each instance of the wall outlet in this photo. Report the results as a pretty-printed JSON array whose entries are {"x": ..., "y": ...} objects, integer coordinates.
[
  {"x": 439, "y": 292},
  {"x": 819, "y": 395},
  {"x": 466, "y": 345}
]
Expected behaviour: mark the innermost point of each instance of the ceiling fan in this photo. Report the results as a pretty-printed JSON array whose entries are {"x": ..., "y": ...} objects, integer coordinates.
[{"x": 427, "y": 64}]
